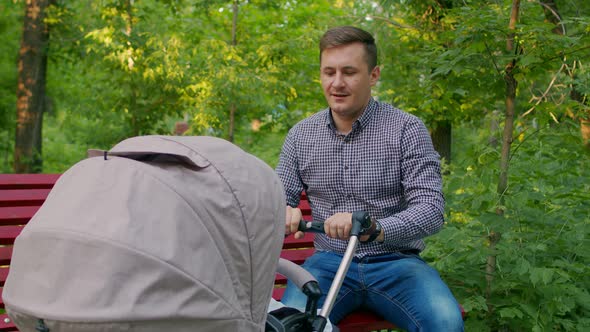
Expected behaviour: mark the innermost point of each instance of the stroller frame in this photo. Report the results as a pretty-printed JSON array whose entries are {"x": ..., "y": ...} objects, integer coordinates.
[{"x": 309, "y": 319}]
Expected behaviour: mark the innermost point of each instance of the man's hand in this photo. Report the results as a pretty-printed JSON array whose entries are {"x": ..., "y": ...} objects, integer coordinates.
[
  {"x": 338, "y": 226},
  {"x": 293, "y": 217}
]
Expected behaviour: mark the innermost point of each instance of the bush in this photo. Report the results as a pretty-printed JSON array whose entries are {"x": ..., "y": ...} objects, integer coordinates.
[{"x": 541, "y": 281}]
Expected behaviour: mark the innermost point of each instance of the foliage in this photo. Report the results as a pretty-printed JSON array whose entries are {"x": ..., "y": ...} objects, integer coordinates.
[
  {"x": 541, "y": 282},
  {"x": 10, "y": 24},
  {"x": 121, "y": 68},
  {"x": 446, "y": 62},
  {"x": 126, "y": 68}
]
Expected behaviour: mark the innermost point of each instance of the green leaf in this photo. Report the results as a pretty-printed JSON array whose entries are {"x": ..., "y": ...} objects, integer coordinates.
[
  {"x": 510, "y": 313},
  {"x": 530, "y": 309},
  {"x": 522, "y": 266},
  {"x": 541, "y": 274},
  {"x": 475, "y": 303}
]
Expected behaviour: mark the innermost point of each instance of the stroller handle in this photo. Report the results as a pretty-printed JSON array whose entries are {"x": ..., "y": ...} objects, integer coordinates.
[
  {"x": 294, "y": 272},
  {"x": 361, "y": 223}
]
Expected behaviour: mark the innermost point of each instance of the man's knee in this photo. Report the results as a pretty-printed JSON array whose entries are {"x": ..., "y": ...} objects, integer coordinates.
[
  {"x": 444, "y": 318},
  {"x": 294, "y": 297}
]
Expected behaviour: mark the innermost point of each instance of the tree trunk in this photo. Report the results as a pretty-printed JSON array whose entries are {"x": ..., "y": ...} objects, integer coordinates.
[
  {"x": 508, "y": 127},
  {"x": 511, "y": 84},
  {"x": 32, "y": 70},
  {"x": 441, "y": 138}
]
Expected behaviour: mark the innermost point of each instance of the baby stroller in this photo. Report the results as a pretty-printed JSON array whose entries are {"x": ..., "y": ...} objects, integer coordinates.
[{"x": 158, "y": 234}]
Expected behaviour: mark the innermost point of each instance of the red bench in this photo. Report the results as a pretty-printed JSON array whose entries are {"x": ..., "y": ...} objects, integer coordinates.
[{"x": 21, "y": 195}]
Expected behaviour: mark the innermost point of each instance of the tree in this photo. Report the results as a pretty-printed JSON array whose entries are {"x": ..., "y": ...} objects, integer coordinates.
[
  {"x": 31, "y": 98},
  {"x": 494, "y": 236},
  {"x": 10, "y": 34}
]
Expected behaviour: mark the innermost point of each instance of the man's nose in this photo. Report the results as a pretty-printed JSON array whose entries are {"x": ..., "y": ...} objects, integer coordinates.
[{"x": 338, "y": 80}]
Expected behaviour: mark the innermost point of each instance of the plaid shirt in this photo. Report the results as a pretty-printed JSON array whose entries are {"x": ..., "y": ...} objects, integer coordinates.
[{"x": 386, "y": 166}]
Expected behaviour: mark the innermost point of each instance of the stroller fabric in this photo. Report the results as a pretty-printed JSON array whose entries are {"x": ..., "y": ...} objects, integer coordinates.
[{"x": 158, "y": 234}]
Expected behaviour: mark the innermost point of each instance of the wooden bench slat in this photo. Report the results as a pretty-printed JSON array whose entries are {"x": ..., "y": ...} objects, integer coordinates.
[
  {"x": 5, "y": 255},
  {"x": 28, "y": 181},
  {"x": 6, "y": 323},
  {"x": 9, "y": 233},
  {"x": 291, "y": 242},
  {"x": 277, "y": 293},
  {"x": 23, "y": 197},
  {"x": 304, "y": 207},
  {"x": 17, "y": 215},
  {"x": 364, "y": 321},
  {"x": 297, "y": 256},
  {"x": 3, "y": 275},
  {"x": 280, "y": 279}
]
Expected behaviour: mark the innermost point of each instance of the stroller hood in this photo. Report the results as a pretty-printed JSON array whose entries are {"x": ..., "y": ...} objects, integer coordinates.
[{"x": 160, "y": 231}]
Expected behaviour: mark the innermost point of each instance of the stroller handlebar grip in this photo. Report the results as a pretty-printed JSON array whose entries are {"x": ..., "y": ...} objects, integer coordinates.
[
  {"x": 361, "y": 222},
  {"x": 311, "y": 226}
]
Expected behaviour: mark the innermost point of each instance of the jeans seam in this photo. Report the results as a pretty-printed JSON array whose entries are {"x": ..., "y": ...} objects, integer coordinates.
[
  {"x": 338, "y": 300},
  {"x": 361, "y": 272},
  {"x": 396, "y": 304}
]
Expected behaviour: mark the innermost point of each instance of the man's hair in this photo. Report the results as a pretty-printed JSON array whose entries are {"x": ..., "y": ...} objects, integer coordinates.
[{"x": 347, "y": 35}]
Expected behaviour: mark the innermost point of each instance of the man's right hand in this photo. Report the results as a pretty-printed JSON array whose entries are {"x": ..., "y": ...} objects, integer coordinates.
[{"x": 293, "y": 217}]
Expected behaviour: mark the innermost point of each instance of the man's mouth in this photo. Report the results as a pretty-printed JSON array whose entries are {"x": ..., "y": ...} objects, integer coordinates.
[{"x": 339, "y": 95}]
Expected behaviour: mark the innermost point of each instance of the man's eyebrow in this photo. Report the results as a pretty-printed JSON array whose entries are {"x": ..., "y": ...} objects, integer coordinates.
[
  {"x": 349, "y": 68},
  {"x": 343, "y": 68}
]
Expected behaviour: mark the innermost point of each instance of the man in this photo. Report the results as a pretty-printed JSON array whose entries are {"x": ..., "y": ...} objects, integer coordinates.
[{"x": 363, "y": 155}]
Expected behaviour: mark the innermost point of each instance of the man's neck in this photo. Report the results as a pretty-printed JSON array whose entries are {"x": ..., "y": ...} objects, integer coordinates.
[{"x": 343, "y": 126}]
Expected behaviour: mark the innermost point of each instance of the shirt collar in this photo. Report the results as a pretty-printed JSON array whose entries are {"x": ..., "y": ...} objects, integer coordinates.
[{"x": 361, "y": 122}]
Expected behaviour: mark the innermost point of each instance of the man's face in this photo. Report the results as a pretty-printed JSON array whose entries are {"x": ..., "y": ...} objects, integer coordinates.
[{"x": 346, "y": 79}]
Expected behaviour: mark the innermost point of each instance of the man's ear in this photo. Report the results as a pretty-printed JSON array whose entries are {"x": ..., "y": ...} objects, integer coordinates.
[{"x": 375, "y": 74}]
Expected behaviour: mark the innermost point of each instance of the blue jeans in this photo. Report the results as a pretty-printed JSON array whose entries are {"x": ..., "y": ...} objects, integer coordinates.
[{"x": 400, "y": 287}]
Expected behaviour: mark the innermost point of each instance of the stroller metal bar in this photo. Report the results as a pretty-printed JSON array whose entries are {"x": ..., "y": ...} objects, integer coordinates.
[{"x": 339, "y": 278}]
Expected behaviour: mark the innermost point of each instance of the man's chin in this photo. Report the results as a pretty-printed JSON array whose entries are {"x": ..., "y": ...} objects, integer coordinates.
[
  {"x": 339, "y": 106},
  {"x": 340, "y": 110},
  {"x": 336, "y": 108}
]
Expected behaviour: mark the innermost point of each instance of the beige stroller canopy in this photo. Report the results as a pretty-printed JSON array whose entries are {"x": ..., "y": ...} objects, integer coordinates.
[{"x": 159, "y": 234}]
